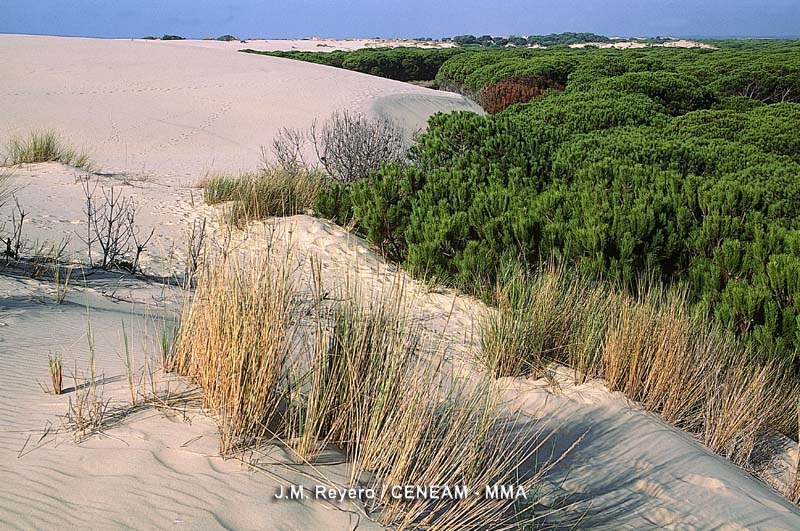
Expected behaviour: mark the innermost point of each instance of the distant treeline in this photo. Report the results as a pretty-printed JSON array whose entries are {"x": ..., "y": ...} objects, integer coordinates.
[
  {"x": 554, "y": 39},
  {"x": 402, "y": 64},
  {"x": 225, "y": 38},
  {"x": 164, "y": 38}
]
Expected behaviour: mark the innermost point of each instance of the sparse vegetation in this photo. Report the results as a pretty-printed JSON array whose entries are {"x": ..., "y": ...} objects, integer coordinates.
[
  {"x": 649, "y": 347},
  {"x": 14, "y": 239},
  {"x": 56, "y": 376},
  {"x": 351, "y": 377},
  {"x": 61, "y": 277},
  {"x": 5, "y": 186},
  {"x": 793, "y": 489},
  {"x": 45, "y": 146},
  {"x": 263, "y": 194}
]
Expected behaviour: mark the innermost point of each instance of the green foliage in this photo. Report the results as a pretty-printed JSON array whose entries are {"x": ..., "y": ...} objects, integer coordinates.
[
  {"x": 553, "y": 39},
  {"x": 172, "y": 38},
  {"x": 227, "y": 38},
  {"x": 45, "y": 146},
  {"x": 649, "y": 165},
  {"x": 561, "y": 39},
  {"x": 334, "y": 202},
  {"x": 402, "y": 64},
  {"x": 678, "y": 94}
]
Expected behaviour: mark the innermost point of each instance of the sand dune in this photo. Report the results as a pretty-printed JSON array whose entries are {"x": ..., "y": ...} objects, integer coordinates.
[
  {"x": 176, "y": 110},
  {"x": 172, "y": 112}
]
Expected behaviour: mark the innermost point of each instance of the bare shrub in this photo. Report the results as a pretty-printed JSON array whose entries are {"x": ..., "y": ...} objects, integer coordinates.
[
  {"x": 14, "y": 240},
  {"x": 350, "y": 145},
  {"x": 517, "y": 89},
  {"x": 287, "y": 148},
  {"x": 111, "y": 225},
  {"x": 140, "y": 241}
]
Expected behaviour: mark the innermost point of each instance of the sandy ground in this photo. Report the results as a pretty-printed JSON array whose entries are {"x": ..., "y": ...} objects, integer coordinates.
[
  {"x": 630, "y": 45},
  {"x": 159, "y": 468},
  {"x": 311, "y": 44},
  {"x": 175, "y": 110}
]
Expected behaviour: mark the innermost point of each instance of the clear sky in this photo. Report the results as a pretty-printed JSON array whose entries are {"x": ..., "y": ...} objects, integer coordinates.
[{"x": 400, "y": 18}]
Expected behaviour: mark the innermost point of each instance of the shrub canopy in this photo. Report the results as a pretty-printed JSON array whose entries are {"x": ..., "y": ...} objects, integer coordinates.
[{"x": 679, "y": 165}]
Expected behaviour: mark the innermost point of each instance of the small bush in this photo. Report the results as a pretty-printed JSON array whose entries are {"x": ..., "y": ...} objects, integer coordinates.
[
  {"x": 334, "y": 202},
  {"x": 172, "y": 38},
  {"x": 350, "y": 146},
  {"x": 227, "y": 38},
  {"x": 45, "y": 146},
  {"x": 517, "y": 89}
]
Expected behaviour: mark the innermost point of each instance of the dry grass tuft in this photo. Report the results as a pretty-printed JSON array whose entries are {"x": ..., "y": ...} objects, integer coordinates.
[
  {"x": 351, "y": 370},
  {"x": 235, "y": 343},
  {"x": 45, "y": 146},
  {"x": 648, "y": 347},
  {"x": 5, "y": 186},
  {"x": 263, "y": 194},
  {"x": 531, "y": 324},
  {"x": 793, "y": 489},
  {"x": 56, "y": 376}
]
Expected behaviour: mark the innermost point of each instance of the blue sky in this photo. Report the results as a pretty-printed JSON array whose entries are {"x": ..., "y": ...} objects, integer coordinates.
[{"x": 396, "y": 18}]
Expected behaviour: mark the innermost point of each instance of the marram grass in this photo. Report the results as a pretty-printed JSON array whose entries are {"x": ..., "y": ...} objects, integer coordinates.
[
  {"x": 45, "y": 146},
  {"x": 345, "y": 368},
  {"x": 262, "y": 194},
  {"x": 648, "y": 347}
]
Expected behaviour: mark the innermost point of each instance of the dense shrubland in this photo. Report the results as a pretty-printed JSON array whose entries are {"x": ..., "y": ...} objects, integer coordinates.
[
  {"x": 680, "y": 165},
  {"x": 402, "y": 64}
]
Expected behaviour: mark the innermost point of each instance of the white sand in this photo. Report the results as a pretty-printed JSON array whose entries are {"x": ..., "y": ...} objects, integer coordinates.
[
  {"x": 172, "y": 112},
  {"x": 176, "y": 110},
  {"x": 311, "y": 44},
  {"x": 632, "y": 45}
]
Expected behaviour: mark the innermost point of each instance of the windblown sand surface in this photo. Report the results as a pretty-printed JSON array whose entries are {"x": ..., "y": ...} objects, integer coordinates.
[
  {"x": 174, "y": 110},
  {"x": 312, "y": 44},
  {"x": 171, "y": 113}
]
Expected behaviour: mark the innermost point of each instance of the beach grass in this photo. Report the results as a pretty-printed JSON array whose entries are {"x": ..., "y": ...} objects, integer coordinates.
[
  {"x": 348, "y": 368},
  {"x": 262, "y": 194},
  {"x": 45, "y": 146},
  {"x": 647, "y": 346},
  {"x": 56, "y": 375}
]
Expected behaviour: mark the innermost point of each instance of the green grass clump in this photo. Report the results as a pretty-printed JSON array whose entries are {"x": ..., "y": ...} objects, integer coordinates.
[
  {"x": 263, "y": 194},
  {"x": 45, "y": 146}
]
